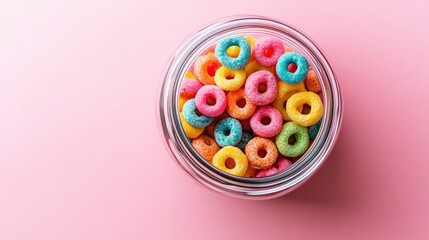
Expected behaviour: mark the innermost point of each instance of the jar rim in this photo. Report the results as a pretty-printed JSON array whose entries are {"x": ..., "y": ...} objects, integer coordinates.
[{"x": 241, "y": 187}]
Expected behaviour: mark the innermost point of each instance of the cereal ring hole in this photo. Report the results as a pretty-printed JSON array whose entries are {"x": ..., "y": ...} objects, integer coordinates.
[
  {"x": 241, "y": 103},
  {"x": 262, "y": 153},
  {"x": 306, "y": 109},
  {"x": 198, "y": 112},
  {"x": 233, "y": 51},
  {"x": 211, "y": 68},
  {"x": 268, "y": 52},
  {"x": 292, "y": 67},
  {"x": 229, "y": 77},
  {"x": 230, "y": 163},
  {"x": 227, "y": 132},
  {"x": 266, "y": 121},
  {"x": 291, "y": 140},
  {"x": 262, "y": 87},
  {"x": 207, "y": 142},
  {"x": 211, "y": 101}
]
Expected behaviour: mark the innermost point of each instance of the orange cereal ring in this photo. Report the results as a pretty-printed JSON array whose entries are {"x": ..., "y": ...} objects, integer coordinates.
[
  {"x": 251, "y": 172},
  {"x": 238, "y": 105},
  {"x": 206, "y": 146},
  {"x": 312, "y": 82},
  {"x": 205, "y": 68},
  {"x": 261, "y": 153}
]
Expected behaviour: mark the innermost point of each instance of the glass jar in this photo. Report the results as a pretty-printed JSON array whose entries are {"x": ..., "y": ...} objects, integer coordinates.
[{"x": 240, "y": 187}]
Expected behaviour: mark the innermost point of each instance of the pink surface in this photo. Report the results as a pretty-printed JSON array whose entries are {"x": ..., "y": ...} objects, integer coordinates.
[{"x": 81, "y": 158}]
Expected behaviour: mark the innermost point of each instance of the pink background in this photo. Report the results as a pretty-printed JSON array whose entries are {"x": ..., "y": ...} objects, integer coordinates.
[{"x": 81, "y": 156}]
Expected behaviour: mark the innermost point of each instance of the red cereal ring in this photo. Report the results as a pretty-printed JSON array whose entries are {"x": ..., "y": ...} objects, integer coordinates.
[
  {"x": 261, "y": 153},
  {"x": 238, "y": 105},
  {"x": 206, "y": 146},
  {"x": 312, "y": 82}
]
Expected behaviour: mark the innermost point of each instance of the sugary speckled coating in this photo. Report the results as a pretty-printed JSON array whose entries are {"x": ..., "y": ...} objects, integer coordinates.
[
  {"x": 234, "y": 153},
  {"x": 206, "y": 146},
  {"x": 228, "y": 79},
  {"x": 189, "y": 112},
  {"x": 312, "y": 82},
  {"x": 302, "y": 140},
  {"x": 230, "y": 62},
  {"x": 254, "y": 66},
  {"x": 283, "y": 65},
  {"x": 205, "y": 94},
  {"x": 265, "y": 44},
  {"x": 257, "y": 144},
  {"x": 271, "y": 129},
  {"x": 245, "y": 138},
  {"x": 299, "y": 99},
  {"x": 281, "y": 165},
  {"x": 190, "y": 131},
  {"x": 253, "y": 82},
  {"x": 200, "y": 68},
  {"x": 314, "y": 129},
  {"x": 228, "y": 132},
  {"x": 236, "y": 111},
  {"x": 189, "y": 88}
]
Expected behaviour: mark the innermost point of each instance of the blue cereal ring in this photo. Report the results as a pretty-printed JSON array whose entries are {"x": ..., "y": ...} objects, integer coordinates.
[
  {"x": 245, "y": 138},
  {"x": 191, "y": 116},
  {"x": 314, "y": 129},
  {"x": 292, "y": 77},
  {"x": 228, "y": 132},
  {"x": 230, "y": 62}
]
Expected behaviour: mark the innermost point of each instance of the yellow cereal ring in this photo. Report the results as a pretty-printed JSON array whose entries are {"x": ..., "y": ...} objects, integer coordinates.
[
  {"x": 182, "y": 101},
  {"x": 287, "y": 90},
  {"x": 299, "y": 99},
  {"x": 250, "y": 40},
  {"x": 254, "y": 66},
  {"x": 234, "y": 153},
  {"x": 284, "y": 93},
  {"x": 191, "y": 132},
  {"x": 228, "y": 79},
  {"x": 189, "y": 74},
  {"x": 233, "y": 51}
]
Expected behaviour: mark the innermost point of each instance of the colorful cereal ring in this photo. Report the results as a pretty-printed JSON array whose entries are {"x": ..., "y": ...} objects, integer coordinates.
[
  {"x": 182, "y": 101},
  {"x": 253, "y": 84},
  {"x": 299, "y": 99},
  {"x": 266, "y": 121},
  {"x": 206, "y": 146},
  {"x": 228, "y": 132},
  {"x": 261, "y": 153},
  {"x": 312, "y": 82},
  {"x": 202, "y": 66},
  {"x": 189, "y": 112},
  {"x": 283, "y": 65},
  {"x": 190, "y": 131},
  {"x": 228, "y": 79},
  {"x": 314, "y": 129},
  {"x": 210, "y": 100},
  {"x": 254, "y": 66},
  {"x": 230, "y": 62},
  {"x": 281, "y": 165},
  {"x": 285, "y": 92},
  {"x": 189, "y": 88},
  {"x": 238, "y": 105},
  {"x": 301, "y": 140},
  {"x": 234, "y": 153},
  {"x": 245, "y": 138},
  {"x": 267, "y": 51}
]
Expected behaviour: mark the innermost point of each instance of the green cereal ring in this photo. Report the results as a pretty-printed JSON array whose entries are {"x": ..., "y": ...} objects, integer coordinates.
[{"x": 302, "y": 140}]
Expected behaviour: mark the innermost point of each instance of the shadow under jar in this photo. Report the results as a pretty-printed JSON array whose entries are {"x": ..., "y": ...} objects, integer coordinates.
[{"x": 180, "y": 146}]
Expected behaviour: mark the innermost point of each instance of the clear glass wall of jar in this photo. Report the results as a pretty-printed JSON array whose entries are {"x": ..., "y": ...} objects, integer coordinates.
[{"x": 189, "y": 160}]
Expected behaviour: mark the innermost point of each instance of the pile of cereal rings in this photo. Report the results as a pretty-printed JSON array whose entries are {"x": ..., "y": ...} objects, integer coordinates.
[{"x": 251, "y": 106}]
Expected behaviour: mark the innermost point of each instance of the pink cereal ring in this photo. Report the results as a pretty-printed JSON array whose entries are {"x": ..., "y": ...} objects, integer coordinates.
[
  {"x": 267, "y": 51},
  {"x": 255, "y": 84},
  {"x": 210, "y": 100},
  {"x": 266, "y": 121},
  {"x": 189, "y": 88},
  {"x": 278, "y": 167}
]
